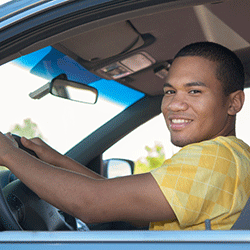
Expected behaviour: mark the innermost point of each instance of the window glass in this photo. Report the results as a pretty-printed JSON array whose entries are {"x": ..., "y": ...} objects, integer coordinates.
[
  {"x": 243, "y": 119},
  {"x": 61, "y": 123}
]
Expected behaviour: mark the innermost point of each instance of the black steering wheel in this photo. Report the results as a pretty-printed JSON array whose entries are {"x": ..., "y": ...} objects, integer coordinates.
[{"x": 22, "y": 209}]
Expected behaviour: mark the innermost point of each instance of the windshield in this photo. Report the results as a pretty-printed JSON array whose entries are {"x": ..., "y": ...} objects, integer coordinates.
[{"x": 61, "y": 123}]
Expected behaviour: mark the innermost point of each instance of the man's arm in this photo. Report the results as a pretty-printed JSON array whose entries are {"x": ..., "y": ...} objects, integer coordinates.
[
  {"x": 132, "y": 198},
  {"x": 51, "y": 156}
]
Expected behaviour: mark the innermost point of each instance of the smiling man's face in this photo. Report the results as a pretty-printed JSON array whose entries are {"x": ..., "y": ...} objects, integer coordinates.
[{"x": 194, "y": 105}]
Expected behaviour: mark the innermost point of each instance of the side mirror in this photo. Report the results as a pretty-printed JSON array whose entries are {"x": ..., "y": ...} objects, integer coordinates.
[
  {"x": 117, "y": 167},
  {"x": 73, "y": 91}
]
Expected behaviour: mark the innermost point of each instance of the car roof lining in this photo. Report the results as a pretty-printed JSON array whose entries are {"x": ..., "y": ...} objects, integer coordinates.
[{"x": 208, "y": 21}]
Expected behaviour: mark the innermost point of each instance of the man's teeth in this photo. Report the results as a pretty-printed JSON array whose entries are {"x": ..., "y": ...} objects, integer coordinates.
[{"x": 180, "y": 121}]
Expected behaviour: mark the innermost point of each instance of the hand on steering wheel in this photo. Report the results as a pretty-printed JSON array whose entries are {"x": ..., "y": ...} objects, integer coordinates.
[{"x": 22, "y": 209}]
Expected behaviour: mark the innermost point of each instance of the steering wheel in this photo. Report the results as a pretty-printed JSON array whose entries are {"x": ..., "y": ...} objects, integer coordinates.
[{"x": 22, "y": 209}]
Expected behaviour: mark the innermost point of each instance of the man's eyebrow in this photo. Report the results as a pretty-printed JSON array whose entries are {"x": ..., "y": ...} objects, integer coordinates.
[
  {"x": 167, "y": 85},
  {"x": 190, "y": 84}
]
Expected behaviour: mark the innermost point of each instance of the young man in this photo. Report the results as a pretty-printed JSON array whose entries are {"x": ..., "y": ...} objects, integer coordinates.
[{"x": 207, "y": 179}]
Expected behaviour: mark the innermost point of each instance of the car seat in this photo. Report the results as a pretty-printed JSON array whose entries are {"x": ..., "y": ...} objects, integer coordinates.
[{"x": 243, "y": 222}]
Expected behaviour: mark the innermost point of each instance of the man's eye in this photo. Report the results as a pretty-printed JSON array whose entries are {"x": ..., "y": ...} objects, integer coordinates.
[
  {"x": 195, "y": 91},
  {"x": 169, "y": 92}
]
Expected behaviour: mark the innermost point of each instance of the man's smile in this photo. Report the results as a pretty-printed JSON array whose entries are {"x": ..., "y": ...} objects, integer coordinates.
[{"x": 179, "y": 123}]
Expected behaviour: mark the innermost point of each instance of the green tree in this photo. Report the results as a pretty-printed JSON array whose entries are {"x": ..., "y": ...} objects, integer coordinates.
[
  {"x": 29, "y": 129},
  {"x": 154, "y": 159}
]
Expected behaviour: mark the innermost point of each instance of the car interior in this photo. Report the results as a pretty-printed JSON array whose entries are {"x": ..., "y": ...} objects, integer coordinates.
[
  {"x": 115, "y": 51},
  {"x": 136, "y": 48}
]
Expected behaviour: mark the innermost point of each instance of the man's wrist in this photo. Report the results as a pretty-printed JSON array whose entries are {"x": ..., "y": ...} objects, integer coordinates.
[
  {"x": 59, "y": 160},
  {"x": 9, "y": 156}
]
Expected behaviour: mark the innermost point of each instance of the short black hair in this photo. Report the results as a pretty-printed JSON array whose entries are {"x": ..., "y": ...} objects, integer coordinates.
[{"x": 230, "y": 70}]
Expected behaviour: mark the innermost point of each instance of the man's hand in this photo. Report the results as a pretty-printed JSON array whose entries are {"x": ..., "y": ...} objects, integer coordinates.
[
  {"x": 43, "y": 150},
  {"x": 9, "y": 135}
]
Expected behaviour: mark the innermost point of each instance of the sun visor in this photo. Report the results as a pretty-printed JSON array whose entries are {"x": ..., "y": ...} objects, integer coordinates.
[{"x": 105, "y": 42}]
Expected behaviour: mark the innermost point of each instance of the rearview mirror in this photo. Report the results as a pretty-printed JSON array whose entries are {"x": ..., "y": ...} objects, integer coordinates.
[{"x": 73, "y": 91}]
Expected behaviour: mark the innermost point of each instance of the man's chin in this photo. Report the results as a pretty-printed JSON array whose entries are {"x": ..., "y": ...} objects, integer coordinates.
[
  {"x": 178, "y": 144},
  {"x": 181, "y": 142}
]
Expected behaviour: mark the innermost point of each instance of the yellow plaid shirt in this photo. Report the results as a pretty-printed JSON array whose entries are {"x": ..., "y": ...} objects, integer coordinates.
[{"x": 206, "y": 180}]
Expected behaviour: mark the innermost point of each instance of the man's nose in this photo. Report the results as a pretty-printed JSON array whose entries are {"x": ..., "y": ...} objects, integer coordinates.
[{"x": 178, "y": 103}]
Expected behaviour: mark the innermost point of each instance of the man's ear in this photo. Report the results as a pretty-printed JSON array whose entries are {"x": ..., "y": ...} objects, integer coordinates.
[{"x": 236, "y": 101}]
